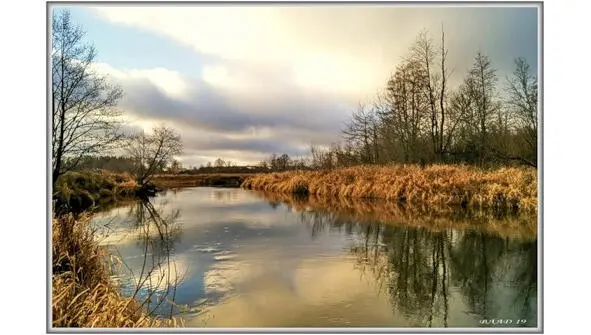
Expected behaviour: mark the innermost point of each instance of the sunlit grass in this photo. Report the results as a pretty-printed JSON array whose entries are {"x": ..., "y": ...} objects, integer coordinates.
[
  {"x": 82, "y": 292},
  {"x": 504, "y": 189}
]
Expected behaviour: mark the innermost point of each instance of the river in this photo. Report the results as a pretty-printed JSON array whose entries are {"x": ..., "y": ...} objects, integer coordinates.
[{"x": 223, "y": 257}]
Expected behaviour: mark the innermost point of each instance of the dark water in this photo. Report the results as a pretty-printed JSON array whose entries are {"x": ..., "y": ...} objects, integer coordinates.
[{"x": 231, "y": 258}]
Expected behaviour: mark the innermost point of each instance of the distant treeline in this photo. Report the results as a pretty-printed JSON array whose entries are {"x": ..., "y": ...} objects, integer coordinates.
[{"x": 128, "y": 164}]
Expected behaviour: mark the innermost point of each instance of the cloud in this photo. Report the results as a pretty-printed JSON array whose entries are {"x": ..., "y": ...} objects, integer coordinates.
[
  {"x": 279, "y": 78},
  {"x": 219, "y": 113},
  {"x": 349, "y": 47}
]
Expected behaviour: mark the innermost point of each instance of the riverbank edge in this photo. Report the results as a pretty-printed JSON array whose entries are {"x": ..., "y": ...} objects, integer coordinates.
[
  {"x": 83, "y": 294},
  {"x": 500, "y": 190}
]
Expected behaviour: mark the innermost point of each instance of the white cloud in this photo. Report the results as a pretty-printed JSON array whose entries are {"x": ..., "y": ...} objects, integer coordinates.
[
  {"x": 169, "y": 82},
  {"x": 216, "y": 75}
]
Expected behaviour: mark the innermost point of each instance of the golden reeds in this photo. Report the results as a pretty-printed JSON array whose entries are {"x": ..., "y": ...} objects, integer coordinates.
[
  {"x": 82, "y": 292},
  {"x": 505, "y": 189}
]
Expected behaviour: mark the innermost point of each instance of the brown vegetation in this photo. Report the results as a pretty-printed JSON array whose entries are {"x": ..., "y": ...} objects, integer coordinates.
[
  {"x": 190, "y": 180},
  {"x": 74, "y": 191},
  {"x": 83, "y": 294},
  {"x": 452, "y": 186},
  {"x": 522, "y": 226}
]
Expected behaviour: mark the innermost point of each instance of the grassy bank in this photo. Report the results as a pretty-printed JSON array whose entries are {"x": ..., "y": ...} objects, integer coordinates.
[
  {"x": 504, "y": 189},
  {"x": 522, "y": 226},
  {"x": 76, "y": 191},
  {"x": 191, "y": 180},
  {"x": 83, "y": 294}
]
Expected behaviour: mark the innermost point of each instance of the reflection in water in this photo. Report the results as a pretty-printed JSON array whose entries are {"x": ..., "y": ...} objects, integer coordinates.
[
  {"x": 152, "y": 277},
  {"x": 523, "y": 226},
  {"x": 494, "y": 277},
  {"x": 229, "y": 258}
]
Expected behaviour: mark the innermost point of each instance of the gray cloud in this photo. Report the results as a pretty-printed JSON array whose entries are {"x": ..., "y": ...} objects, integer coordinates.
[
  {"x": 215, "y": 124},
  {"x": 206, "y": 108}
]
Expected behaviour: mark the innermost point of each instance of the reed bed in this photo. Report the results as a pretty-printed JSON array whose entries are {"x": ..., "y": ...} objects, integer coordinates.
[
  {"x": 503, "y": 189},
  {"x": 522, "y": 226},
  {"x": 82, "y": 292}
]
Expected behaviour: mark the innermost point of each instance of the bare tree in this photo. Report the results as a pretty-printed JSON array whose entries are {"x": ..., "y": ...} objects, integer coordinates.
[
  {"x": 282, "y": 162},
  {"x": 422, "y": 53},
  {"x": 459, "y": 115},
  {"x": 153, "y": 152},
  {"x": 219, "y": 163},
  {"x": 84, "y": 118},
  {"x": 481, "y": 83},
  {"x": 408, "y": 110},
  {"x": 362, "y": 132},
  {"x": 522, "y": 91},
  {"x": 443, "y": 140}
]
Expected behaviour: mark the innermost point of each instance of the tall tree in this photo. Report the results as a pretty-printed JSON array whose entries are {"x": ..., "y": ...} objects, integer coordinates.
[
  {"x": 423, "y": 54},
  {"x": 443, "y": 140},
  {"x": 85, "y": 120},
  {"x": 481, "y": 83},
  {"x": 404, "y": 120}
]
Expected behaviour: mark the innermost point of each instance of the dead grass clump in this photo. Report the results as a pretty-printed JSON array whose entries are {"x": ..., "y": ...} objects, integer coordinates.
[
  {"x": 505, "y": 189},
  {"x": 82, "y": 293}
]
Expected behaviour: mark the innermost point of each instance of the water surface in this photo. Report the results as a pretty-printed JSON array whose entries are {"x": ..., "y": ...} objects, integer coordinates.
[{"x": 233, "y": 258}]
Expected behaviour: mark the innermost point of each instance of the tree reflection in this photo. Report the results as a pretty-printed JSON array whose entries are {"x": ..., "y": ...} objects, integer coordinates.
[
  {"x": 155, "y": 278},
  {"x": 419, "y": 269},
  {"x": 317, "y": 222}
]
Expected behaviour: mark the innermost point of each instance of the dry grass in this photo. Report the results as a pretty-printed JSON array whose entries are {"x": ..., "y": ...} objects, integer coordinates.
[
  {"x": 190, "y": 180},
  {"x": 504, "y": 189},
  {"x": 81, "y": 190},
  {"x": 82, "y": 292},
  {"x": 523, "y": 226}
]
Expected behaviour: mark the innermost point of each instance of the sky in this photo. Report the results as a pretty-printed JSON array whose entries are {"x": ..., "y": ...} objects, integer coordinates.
[{"x": 244, "y": 82}]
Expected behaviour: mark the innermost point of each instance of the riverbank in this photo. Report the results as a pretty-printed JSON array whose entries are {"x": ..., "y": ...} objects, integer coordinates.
[
  {"x": 78, "y": 191},
  {"x": 83, "y": 294},
  {"x": 192, "y": 180},
  {"x": 502, "y": 190}
]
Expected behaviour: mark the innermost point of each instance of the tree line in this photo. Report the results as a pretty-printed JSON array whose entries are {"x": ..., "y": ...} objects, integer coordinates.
[
  {"x": 85, "y": 119},
  {"x": 418, "y": 118}
]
